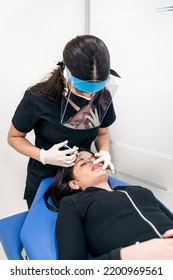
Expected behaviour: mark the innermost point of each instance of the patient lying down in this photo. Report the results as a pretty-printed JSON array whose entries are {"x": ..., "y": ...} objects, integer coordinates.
[{"x": 122, "y": 223}]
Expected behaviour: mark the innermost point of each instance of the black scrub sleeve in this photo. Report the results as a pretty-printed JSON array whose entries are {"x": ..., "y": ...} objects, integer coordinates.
[
  {"x": 70, "y": 232},
  {"x": 26, "y": 113}
]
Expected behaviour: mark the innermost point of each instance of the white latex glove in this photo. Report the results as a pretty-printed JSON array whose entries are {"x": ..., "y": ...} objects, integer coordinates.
[
  {"x": 94, "y": 119},
  {"x": 104, "y": 156},
  {"x": 56, "y": 157}
]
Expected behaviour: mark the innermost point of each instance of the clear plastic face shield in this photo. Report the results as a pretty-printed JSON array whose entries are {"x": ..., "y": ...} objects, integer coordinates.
[{"x": 85, "y": 103}]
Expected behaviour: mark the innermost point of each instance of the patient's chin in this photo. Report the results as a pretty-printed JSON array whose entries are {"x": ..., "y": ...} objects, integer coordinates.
[{"x": 104, "y": 174}]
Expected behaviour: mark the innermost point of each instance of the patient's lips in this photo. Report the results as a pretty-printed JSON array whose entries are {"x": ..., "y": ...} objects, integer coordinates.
[{"x": 96, "y": 166}]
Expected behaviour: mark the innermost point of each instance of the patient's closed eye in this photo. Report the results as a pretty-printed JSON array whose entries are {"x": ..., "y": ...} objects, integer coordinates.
[{"x": 84, "y": 163}]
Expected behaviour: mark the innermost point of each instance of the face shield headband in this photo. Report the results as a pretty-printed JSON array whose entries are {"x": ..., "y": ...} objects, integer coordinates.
[
  {"x": 85, "y": 86},
  {"x": 80, "y": 113}
]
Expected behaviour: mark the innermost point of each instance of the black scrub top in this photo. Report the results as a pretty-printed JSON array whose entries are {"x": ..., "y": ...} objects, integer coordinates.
[
  {"x": 43, "y": 115},
  {"x": 101, "y": 222}
]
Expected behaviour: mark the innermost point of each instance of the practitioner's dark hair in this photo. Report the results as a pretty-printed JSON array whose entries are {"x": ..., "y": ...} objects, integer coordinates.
[{"x": 87, "y": 58}]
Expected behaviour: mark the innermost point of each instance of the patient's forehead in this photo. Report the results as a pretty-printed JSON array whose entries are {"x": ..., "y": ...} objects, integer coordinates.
[{"x": 85, "y": 153}]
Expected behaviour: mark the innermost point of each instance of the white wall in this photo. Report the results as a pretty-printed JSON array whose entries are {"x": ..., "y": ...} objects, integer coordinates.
[
  {"x": 33, "y": 35},
  {"x": 138, "y": 34}
]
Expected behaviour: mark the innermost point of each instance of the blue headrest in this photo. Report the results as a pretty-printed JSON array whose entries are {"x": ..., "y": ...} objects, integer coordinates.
[{"x": 38, "y": 232}]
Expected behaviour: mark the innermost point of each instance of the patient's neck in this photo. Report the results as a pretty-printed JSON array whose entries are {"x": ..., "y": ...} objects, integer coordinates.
[{"x": 104, "y": 185}]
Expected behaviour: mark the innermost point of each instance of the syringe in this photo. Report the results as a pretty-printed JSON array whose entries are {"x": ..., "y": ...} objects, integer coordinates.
[{"x": 66, "y": 146}]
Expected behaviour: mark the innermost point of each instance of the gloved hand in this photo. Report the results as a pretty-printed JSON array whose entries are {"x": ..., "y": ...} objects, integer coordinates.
[
  {"x": 104, "y": 156},
  {"x": 56, "y": 157},
  {"x": 93, "y": 118}
]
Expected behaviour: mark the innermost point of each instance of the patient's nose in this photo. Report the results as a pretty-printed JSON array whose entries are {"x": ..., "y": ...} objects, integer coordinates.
[{"x": 91, "y": 160}]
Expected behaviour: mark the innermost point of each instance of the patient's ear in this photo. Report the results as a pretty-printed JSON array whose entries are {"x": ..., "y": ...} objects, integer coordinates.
[{"x": 74, "y": 185}]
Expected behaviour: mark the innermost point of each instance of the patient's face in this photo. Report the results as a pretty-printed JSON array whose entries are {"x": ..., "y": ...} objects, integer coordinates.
[{"x": 86, "y": 172}]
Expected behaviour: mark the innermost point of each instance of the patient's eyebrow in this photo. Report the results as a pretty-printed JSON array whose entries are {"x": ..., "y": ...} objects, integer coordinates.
[{"x": 84, "y": 158}]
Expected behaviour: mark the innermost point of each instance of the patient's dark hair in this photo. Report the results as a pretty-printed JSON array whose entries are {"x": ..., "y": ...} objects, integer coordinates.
[{"x": 59, "y": 188}]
